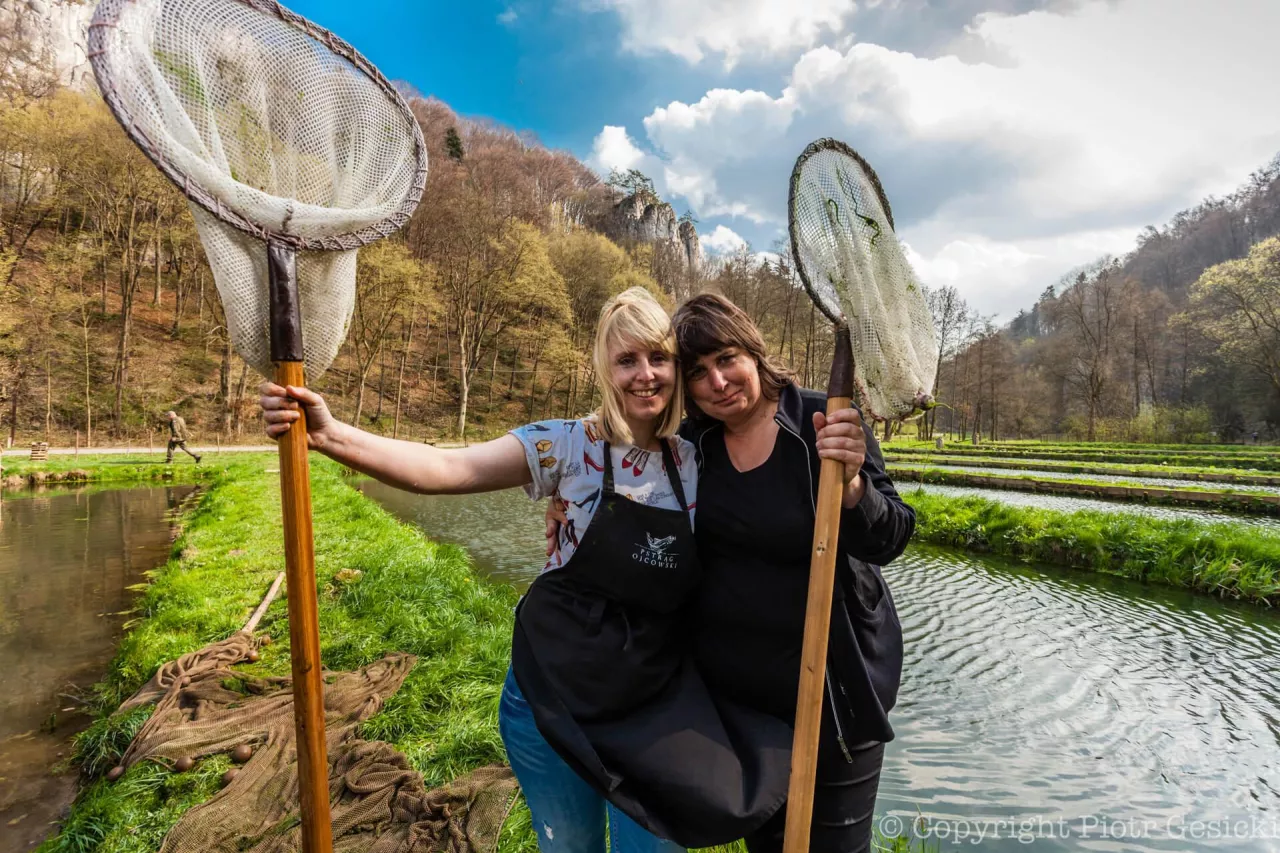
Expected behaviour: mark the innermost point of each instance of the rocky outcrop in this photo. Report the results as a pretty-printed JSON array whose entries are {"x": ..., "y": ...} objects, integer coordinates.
[
  {"x": 688, "y": 235},
  {"x": 51, "y": 32},
  {"x": 644, "y": 218}
]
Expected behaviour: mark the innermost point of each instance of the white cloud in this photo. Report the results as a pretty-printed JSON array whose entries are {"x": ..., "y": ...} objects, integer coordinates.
[
  {"x": 614, "y": 149},
  {"x": 722, "y": 241},
  {"x": 1000, "y": 278},
  {"x": 1093, "y": 123},
  {"x": 727, "y": 28},
  {"x": 508, "y": 16}
]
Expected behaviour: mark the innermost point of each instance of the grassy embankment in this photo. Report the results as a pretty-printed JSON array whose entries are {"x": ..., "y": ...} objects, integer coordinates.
[
  {"x": 1247, "y": 461},
  {"x": 1238, "y": 476},
  {"x": 1027, "y": 444},
  {"x": 410, "y": 595},
  {"x": 19, "y": 472},
  {"x": 1234, "y": 500},
  {"x": 1188, "y": 448},
  {"x": 1227, "y": 560}
]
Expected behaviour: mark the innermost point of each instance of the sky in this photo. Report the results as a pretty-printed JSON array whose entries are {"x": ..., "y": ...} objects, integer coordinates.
[{"x": 1016, "y": 139}]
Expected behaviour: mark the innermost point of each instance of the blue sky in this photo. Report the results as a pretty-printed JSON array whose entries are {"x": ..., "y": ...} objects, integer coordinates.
[
  {"x": 1016, "y": 139},
  {"x": 553, "y": 68}
]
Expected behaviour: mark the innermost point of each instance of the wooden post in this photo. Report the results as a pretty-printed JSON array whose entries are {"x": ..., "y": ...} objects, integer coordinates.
[
  {"x": 817, "y": 619},
  {"x": 300, "y": 562}
]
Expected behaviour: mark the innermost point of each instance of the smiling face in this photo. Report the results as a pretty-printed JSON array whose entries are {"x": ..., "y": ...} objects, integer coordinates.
[
  {"x": 725, "y": 384},
  {"x": 645, "y": 379}
]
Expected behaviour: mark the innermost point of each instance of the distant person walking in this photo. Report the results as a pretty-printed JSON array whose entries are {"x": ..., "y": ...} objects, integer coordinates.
[{"x": 178, "y": 437}]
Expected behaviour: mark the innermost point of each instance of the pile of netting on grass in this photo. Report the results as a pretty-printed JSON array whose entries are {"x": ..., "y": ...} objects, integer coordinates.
[{"x": 379, "y": 802}]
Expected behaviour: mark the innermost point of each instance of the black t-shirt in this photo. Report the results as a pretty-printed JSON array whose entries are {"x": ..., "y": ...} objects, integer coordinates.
[{"x": 749, "y": 615}]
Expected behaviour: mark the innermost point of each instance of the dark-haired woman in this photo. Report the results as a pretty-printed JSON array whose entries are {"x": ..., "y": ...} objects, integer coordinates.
[{"x": 759, "y": 453}]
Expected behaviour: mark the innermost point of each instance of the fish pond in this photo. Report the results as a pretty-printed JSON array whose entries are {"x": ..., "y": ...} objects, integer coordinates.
[
  {"x": 68, "y": 563},
  {"x": 1040, "y": 707}
]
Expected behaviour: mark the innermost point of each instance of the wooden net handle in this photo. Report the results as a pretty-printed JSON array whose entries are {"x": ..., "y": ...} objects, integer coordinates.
[
  {"x": 300, "y": 559},
  {"x": 817, "y": 617}
]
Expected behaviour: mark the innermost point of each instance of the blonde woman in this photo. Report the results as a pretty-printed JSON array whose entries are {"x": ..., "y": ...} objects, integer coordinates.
[{"x": 597, "y": 709}]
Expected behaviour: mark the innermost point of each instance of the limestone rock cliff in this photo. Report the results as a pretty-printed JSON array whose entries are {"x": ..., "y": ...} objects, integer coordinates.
[
  {"x": 691, "y": 245},
  {"x": 52, "y": 32},
  {"x": 643, "y": 218}
]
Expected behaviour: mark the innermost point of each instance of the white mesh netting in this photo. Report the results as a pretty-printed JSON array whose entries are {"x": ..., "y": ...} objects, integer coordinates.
[
  {"x": 257, "y": 118},
  {"x": 855, "y": 269}
]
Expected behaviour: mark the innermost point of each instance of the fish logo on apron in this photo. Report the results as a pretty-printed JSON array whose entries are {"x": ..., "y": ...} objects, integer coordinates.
[{"x": 654, "y": 552}]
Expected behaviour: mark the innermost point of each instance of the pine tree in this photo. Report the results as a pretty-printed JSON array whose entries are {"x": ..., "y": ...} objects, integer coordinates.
[{"x": 453, "y": 143}]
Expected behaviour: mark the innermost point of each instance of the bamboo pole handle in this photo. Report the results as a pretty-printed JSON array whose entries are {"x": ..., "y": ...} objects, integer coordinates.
[
  {"x": 817, "y": 619},
  {"x": 304, "y": 627}
]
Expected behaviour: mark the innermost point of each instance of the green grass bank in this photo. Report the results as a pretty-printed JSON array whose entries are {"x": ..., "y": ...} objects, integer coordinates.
[
  {"x": 1231, "y": 561},
  {"x": 1036, "y": 444},
  {"x": 1254, "y": 462},
  {"x": 1233, "y": 500},
  {"x": 1236, "y": 476},
  {"x": 382, "y": 586},
  {"x": 120, "y": 468}
]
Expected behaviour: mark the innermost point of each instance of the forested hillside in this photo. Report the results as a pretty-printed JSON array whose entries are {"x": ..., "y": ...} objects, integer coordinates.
[
  {"x": 1177, "y": 341},
  {"x": 478, "y": 315}
]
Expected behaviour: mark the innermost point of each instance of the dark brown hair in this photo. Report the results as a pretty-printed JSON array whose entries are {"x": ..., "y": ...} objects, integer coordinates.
[{"x": 709, "y": 322}]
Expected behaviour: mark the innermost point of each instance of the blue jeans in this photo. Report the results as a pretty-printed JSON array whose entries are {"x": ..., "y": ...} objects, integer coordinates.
[{"x": 568, "y": 814}]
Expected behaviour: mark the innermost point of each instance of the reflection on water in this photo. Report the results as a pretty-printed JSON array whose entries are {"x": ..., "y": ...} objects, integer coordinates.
[
  {"x": 1066, "y": 503},
  {"x": 502, "y": 531},
  {"x": 1031, "y": 694},
  {"x": 67, "y": 560}
]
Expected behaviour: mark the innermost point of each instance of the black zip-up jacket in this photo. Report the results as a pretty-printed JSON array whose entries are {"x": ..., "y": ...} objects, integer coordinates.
[{"x": 864, "y": 657}]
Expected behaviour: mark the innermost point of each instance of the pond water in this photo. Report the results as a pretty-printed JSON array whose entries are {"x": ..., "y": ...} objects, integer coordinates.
[
  {"x": 1049, "y": 709},
  {"x": 67, "y": 562},
  {"x": 1104, "y": 478},
  {"x": 1070, "y": 503}
]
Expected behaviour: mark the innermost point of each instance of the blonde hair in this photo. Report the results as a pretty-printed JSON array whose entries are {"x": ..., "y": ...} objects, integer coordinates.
[{"x": 633, "y": 318}]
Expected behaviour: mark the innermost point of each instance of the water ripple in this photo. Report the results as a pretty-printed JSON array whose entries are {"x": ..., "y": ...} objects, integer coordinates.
[{"x": 1040, "y": 692}]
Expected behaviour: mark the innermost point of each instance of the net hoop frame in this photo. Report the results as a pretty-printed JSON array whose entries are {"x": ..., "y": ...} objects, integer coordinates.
[
  {"x": 819, "y": 145},
  {"x": 107, "y": 16}
]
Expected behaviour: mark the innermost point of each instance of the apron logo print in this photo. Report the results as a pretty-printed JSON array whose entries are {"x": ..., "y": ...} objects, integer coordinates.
[
  {"x": 659, "y": 545},
  {"x": 654, "y": 553}
]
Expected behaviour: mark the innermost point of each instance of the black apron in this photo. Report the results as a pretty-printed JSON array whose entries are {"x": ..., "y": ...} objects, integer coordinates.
[{"x": 601, "y": 653}]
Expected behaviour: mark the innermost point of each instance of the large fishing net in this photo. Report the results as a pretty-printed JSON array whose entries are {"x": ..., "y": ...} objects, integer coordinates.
[
  {"x": 855, "y": 269},
  {"x": 277, "y": 130},
  {"x": 379, "y": 802}
]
